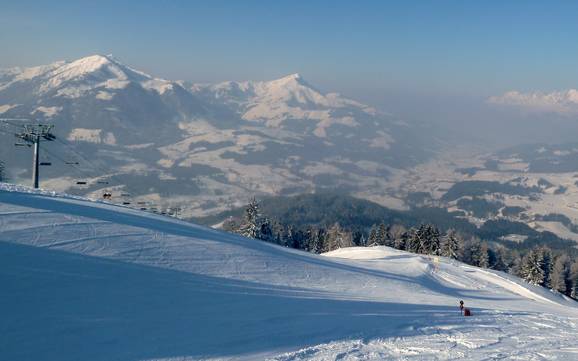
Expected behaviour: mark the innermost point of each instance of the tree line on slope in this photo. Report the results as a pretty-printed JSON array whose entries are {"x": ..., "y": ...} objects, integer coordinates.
[{"x": 540, "y": 266}]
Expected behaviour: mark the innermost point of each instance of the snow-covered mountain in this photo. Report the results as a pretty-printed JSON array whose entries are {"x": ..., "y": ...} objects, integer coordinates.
[
  {"x": 221, "y": 143},
  {"x": 84, "y": 280}
]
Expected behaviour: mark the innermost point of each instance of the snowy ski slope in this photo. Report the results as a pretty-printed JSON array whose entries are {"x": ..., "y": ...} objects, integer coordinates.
[{"x": 84, "y": 280}]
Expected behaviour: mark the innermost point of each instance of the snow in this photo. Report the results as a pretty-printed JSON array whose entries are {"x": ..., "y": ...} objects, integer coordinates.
[
  {"x": 48, "y": 112},
  {"x": 288, "y": 98},
  {"x": 102, "y": 95},
  {"x": 85, "y": 135},
  {"x": 92, "y": 136},
  {"x": 94, "y": 281},
  {"x": 6, "y": 107}
]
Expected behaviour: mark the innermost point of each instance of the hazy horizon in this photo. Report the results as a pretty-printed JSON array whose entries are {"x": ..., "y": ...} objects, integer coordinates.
[{"x": 467, "y": 65}]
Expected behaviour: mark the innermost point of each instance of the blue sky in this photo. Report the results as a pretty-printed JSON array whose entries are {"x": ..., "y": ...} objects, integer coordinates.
[{"x": 477, "y": 48}]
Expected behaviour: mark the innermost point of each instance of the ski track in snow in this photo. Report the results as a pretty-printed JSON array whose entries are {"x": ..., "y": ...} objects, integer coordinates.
[{"x": 94, "y": 281}]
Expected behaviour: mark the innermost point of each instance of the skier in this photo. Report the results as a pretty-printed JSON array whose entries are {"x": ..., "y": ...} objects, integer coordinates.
[{"x": 464, "y": 311}]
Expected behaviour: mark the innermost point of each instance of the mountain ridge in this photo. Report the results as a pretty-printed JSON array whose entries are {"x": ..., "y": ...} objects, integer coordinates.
[{"x": 225, "y": 139}]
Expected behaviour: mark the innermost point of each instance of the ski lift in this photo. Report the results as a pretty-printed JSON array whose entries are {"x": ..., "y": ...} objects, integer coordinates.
[
  {"x": 141, "y": 203},
  {"x": 143, "y": 209},
  {"x": 125, "y": 203},
  {"x": 102, "y": 182},
  {"x": 71, "y": 163},
  {"x": 46, "y": 163},
  {"x": 81, "y": 183}
]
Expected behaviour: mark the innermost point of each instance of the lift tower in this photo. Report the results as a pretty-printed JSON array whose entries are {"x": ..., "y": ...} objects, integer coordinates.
[{"x": 32, "y": 135}]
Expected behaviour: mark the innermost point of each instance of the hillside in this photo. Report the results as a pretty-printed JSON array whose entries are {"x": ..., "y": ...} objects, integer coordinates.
[
  {"x": 94, "y": 281},
  {"x": 325, "y": 209}
]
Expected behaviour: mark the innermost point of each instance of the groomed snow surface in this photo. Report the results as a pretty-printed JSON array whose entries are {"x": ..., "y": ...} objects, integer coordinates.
[{"x": 85, "y": 280}]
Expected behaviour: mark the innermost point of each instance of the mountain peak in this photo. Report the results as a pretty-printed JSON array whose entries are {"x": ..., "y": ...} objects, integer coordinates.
[
  {"x": 92, "y": 61},
  {"x": 296, "y": 77}
]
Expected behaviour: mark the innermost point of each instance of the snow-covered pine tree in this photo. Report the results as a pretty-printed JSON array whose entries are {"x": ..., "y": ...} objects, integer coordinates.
[
  {"x": 287, "y": 236},
  {"x": 450, "y": 246},
  {"x": 434, "y": 243},
  {"x": 372, "y": 239},
  {"x": 484, "y": 256},
  {"x": 382, "y": 232},
  {"x": 413, "y": 241},
  {"x": 362, "y": 241},
  {"x": 332, "y": 237},
  {"x": 389, "y": 236},
  {"x": 573, "y": 279},
  {"x": 423, "y": 239},
  {"x": 533, "y": 267},
  {"x": 547, "y": 265},
  {"x": 345, "y": 239},
  {"x": 266, "y": 231},
  {"x": 251, "y": 225},
  {"x": 559, "y": 274}
]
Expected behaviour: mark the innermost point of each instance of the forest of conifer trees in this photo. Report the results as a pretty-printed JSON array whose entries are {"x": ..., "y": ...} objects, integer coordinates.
[{"x": 540, "y": 265}]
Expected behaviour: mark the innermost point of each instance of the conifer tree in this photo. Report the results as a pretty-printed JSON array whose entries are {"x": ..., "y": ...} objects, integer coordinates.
[
  {"x": 382, "y": 234},
  {"x": 533, "y": 267},
  {"x": 484, "y": 256},
  {"x": 559, "y": 274},
  {"x": 450, "y": 246},
  {"x": 422, "y": 239},
  {"x": 2, "y": 172},
  {"x": 547, "y": 265},
  {"x": 413, "y": 241},
  {"x": 372, "y": 239},
  {"x": 251, "y": 225},
  {"x": 333, "y": 238},
  {"x": 574, "y": 279},
  {"x": 338, "y": 238},
  {"x": 434, "y": 242}
]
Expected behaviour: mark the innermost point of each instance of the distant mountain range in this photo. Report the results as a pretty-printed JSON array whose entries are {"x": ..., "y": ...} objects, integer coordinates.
[{"x": 208, "y": 147}]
